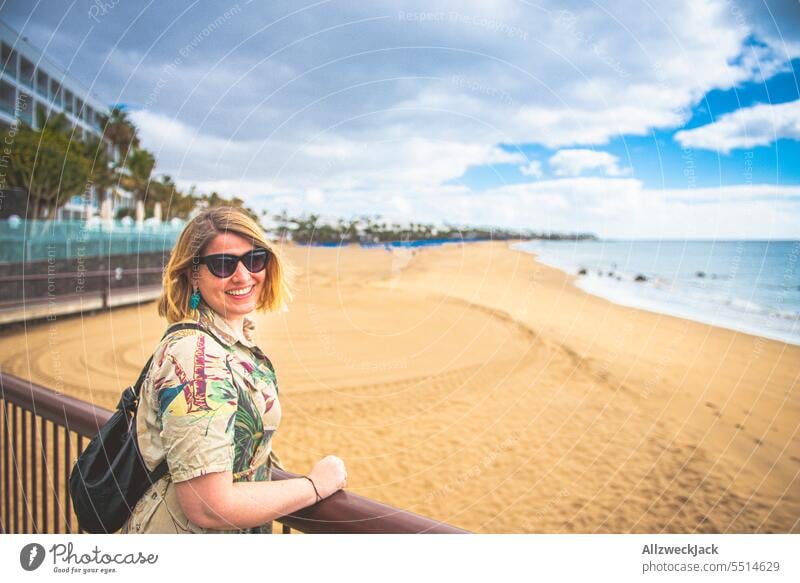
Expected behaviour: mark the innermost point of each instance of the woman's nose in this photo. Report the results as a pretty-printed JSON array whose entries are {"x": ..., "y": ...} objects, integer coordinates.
[{"x": 241, "y": 273}]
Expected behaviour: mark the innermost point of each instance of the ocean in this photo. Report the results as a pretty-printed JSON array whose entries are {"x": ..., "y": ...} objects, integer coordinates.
[{"x": 747, "y": 286}]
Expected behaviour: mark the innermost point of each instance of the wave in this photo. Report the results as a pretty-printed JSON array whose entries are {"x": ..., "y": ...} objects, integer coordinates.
[{"x": 728, "y": 302}]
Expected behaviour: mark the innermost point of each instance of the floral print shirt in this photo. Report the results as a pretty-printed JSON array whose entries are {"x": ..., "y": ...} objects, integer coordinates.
[{"x": 206, "y": 407}]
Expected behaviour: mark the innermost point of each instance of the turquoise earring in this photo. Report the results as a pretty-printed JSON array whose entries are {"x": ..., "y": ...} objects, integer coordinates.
[{"x": 194, "y": 299}]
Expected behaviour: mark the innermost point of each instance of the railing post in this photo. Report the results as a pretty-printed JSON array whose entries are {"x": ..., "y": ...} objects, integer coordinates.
[
  {"x": 106, "y": 292},
  {"x": 6, "y": 481}
]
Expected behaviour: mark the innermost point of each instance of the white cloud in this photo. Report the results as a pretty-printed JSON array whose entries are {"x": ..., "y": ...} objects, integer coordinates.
[
  {"x": 326, "y": 161},
  {"x": 598, "y": 72},
  {"x": 736, "y": 193},
  {"x": 748, "y": 127},
  {"x": 356, "y": 110},
  {"x": 533, "y": 168},
  {"x": 245, "y": 189},
  {"x": 335, "y": 176},
  {"x": 608, "y": 207},
  {"x": 624, "y": 207},
  {"x": 558, "y": 127},
  {"x": 315, "y": 196},
  {"x": 575, "y": 162}
]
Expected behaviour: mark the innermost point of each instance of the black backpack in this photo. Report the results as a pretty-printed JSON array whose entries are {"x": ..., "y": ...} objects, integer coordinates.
[{"x": 110, "y": 477}]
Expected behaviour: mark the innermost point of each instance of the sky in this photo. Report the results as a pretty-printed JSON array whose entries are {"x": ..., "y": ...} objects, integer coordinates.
[{"x": 634, "y": 119}]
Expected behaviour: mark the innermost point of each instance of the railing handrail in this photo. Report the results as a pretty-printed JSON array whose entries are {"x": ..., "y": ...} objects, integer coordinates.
[
  {"x": 343, "y": 512},
  {"x": 70, "y": 412},
  {"x": 111, "y": 272}
]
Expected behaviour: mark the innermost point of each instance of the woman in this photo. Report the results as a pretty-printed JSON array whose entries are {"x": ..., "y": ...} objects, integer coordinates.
[{"x": 209, "y": 403}]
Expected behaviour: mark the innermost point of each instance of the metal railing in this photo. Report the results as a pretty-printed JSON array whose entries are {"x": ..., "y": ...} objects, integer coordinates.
[
  {"x": 47, "y": 305},
  {"x": 105, "y": 277},
  {"x": 42, "y": 432}
]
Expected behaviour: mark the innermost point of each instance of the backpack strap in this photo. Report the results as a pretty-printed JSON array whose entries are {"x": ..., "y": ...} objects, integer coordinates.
[
  {"x": 162, "y": 469},
  {"x": 137, "y": 387}
]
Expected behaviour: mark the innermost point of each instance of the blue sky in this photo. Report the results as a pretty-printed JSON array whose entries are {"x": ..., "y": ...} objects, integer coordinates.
[
  {"x": 679, "y": 121},
  {"x": 659, "y": 160}
]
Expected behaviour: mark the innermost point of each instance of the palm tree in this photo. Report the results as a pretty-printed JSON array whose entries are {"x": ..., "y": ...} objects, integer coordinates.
[
  {"x": 102, "y": 172},
  {"x": 123, "y": 135},
  {"x": 119, "y": 130},
  {"x": 141, "y": 163},
  {"x": 173, "y": 202}
]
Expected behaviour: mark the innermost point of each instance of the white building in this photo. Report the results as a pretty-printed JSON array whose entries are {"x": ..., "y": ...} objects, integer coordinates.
[{"x": 30, "y": 82}]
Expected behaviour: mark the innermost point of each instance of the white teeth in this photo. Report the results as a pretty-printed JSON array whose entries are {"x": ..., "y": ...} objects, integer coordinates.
[{"x": 239, "y": 292}]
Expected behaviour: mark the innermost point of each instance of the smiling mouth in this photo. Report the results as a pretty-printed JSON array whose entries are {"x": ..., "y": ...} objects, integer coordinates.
[{"x": 240, "y": 292}]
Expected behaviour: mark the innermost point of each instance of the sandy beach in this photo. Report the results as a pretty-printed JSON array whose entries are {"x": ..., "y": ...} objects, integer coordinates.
[{"x": 471, "y": 384}]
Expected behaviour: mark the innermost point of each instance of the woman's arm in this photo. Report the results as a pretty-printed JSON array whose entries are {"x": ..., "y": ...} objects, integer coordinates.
[{"x": 215, "y": 501}]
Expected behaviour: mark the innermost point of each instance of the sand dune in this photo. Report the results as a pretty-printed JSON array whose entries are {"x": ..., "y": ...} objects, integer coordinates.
[{"x": 474, "y": 385}]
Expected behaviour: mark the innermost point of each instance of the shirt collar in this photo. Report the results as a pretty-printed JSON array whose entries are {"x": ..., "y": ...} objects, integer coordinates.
[{"x": 217, "y": 325}]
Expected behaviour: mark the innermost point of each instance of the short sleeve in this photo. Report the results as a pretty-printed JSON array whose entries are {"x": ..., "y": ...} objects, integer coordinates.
[{"x": 193, "y": 392}]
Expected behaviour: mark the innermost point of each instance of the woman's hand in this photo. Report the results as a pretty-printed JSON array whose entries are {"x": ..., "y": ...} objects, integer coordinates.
[{"x": 329, "y": 475}]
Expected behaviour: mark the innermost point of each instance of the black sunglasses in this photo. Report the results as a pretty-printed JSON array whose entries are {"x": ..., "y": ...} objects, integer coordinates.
[{"x": 224, "y": 265}]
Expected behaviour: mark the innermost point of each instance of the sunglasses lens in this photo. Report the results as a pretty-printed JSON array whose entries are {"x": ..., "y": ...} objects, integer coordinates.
[
  {"x": 222, "y": 265},
  {"x": 225, "y": 265},
  {"x": 256, "y": 260}
]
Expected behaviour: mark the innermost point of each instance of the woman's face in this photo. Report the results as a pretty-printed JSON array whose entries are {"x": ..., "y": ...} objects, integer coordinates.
[{"x": 235, "y": 296}]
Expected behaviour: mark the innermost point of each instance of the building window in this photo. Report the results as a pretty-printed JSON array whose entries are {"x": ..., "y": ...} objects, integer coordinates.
[
  {"x": 69, "y": 101},
  {"x": 26, "y": 71},
  {"x": 55, "y": 92},
  {"x": 25, "y": 108},
  {"x": 42, "y": 83},
  {"x": 8, "y": 95},
  {"x": 79, "y": 107},
  {"x": 8, "y": 57}
]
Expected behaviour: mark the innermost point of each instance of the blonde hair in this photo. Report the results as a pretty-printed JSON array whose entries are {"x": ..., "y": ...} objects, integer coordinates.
[{"x": 195, "y": 237}]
